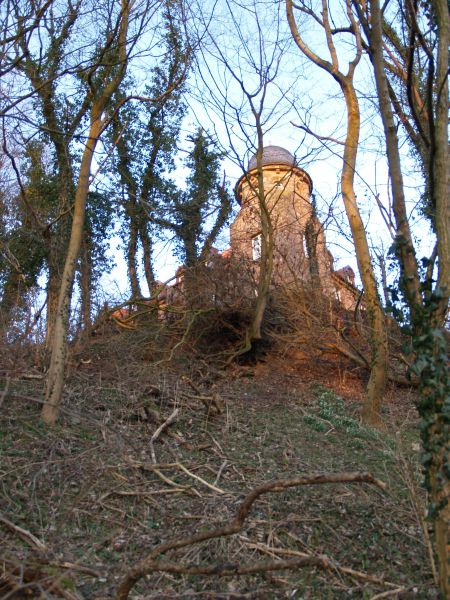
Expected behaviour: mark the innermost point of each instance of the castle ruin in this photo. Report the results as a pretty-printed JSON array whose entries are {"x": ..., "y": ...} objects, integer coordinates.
[{"x": 300, "y": 253}]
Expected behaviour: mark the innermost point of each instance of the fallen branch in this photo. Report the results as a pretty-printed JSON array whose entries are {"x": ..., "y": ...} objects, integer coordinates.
[
  {"x": 75, "y": 567},
  {"x": 160, "y": 429},
  {"x": 187, "y": 489},
  {"x": 209, "y": 485},
  {"x": 208, "y": 401},
  {"x": 150, "y": 564},
  {"x": 28, "y": 537},
  {"x": 220, "y": 471},
  {"x": 31, "y": 376},
  {"x": 389, "y": 594},
  {"x": 331, "y": 564},
  {"x": 21, "y": 578},
  {"x": 152, "y": 493},
  {"x": 156, "y": 468}
]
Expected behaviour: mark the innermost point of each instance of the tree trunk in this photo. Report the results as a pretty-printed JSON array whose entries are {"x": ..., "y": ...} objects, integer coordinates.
[
  {"x": 438, "y": 434},
  {"x": 410, "y": 282},
  {"x": 57, "y": 240},
  {"x": 267, "y": 247},
  {"x": 378, "y": 337},
  {"x": 131, "y": 258},
  {"x": 53, "y": 285},
  {"x": 441, "y": 199},
  {"x": 148, "y": 260},
  {"x": 86, "y": 286},
  {"x": 193, "y": 267},
  {"x": 13, "y": 297},
  {"x": 55, "y": 377},
  {"x": 440, "y": 496},
  {"x": 428, "y": 342}
]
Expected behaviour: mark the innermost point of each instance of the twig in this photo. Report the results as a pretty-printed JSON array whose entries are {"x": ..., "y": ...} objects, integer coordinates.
[
  {"x": 418, "y": 511},
  {"x": 221, "y": 470},
  {"x": 28, "y": 537},
  {"x": 160, "y": 429},
  {"x": 75, "y": 567},
  {"x": 150, "y": 564},
  {"x": 331, "y": 563},
  {"x": 30, "y": 376},
  {"x": 152, "y": 493},
  {"x": 32, "y": 577},
  {"x": 170, "y": 482},
  {"x": 388, "y": 594},
  {"x": 210, "y": 485}
]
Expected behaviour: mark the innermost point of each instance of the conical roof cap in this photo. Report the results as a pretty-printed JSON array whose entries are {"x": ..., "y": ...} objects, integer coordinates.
[{"x": 273, "y": 155}]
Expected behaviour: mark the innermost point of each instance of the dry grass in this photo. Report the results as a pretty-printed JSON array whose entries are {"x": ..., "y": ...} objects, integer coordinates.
[{"x": 89, "y": 491}]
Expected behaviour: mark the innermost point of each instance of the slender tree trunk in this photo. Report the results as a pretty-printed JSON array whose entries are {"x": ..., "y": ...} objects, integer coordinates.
[
  {"x": 311, "y": 238},
  {"x": 440, "y": 496},
  {"x": 267, "y": 247},
  {"x": 57, "y": 240},
  {"x": 190, "y": 278},
  {"x": 53, "y": 285},
  {"x": 86, "y": 286},
  {"x": 404, "y": 245},
  {"x": 146, "y": 244},
  {"x": 131, "y": 258},
  {"x": 439, "y": 429},
  {"x": 55, "y": 377},
  {"x": 441, "y": 169},
  {"x": 384, "y": 283},
  {"x": 378, "y": 337},
  {"x": 13, "y": 295}
]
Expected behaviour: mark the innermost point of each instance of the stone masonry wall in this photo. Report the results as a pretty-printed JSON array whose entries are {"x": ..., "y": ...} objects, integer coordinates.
[{"x": 287, "y": 193}]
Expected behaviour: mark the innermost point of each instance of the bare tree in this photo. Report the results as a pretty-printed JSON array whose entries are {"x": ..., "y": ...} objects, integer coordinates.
[
  {"x": 378, "y": 338},
  {"x": 426, "y": 298},
  {"x": 240, "y": 69}
]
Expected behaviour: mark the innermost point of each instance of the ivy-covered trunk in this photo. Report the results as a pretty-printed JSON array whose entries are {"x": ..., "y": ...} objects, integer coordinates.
[
  {"x": 53, "y": 285},
  {"x": 146, "y": 243},
  {"x": 431, "y": 366},
  {"x": 132, "y": 247},
  {"x": 427, "y": 307}
]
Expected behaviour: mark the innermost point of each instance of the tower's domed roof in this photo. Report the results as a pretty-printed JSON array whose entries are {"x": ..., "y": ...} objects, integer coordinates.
[{"x": 273, "y": 155}]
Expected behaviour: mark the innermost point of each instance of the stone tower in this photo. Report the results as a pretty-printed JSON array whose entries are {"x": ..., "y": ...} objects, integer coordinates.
[{"x": 300, "y": 253}]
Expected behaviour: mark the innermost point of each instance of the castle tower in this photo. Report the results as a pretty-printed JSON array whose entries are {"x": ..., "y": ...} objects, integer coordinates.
[{"x": 299, "y": 242}]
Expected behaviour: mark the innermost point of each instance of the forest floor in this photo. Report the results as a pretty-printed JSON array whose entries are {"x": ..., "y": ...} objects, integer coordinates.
[{"x": 82, "y": 502}]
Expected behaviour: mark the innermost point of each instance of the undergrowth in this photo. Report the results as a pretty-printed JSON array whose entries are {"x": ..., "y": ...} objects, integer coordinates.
[
  {"x": 85, "y": 487},
  {"x": 329, "y": 411}
]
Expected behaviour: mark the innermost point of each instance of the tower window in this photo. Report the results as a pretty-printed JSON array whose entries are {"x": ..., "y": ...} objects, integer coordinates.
[{"x": 256, "y": 247}]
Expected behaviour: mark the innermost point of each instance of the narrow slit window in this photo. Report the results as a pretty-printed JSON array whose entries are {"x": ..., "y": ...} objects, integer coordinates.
[
  {"x": 305, "y": 247},
  {"x": 256, "y": 247}
]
